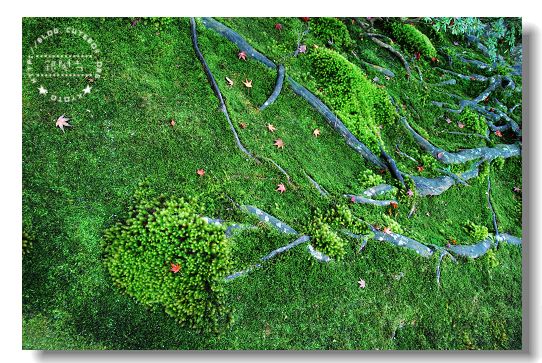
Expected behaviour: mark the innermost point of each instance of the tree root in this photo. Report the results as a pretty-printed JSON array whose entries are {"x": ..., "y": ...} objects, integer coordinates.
[
  {"x": 478, "y": 64},
  {"x": 320, "y": 189},
  {"x": 337, "y": 125},
  {"x": 378, "y": 190},
  {"x": 276, "y": 91},
  {"x": 442, "y": 255},
  {"x": 318, "y": 255},
  {"x": 314, "y": 101},
  {"x": 264, "y": 217},
  {"x": 269, "y": 256},
  {"x": 280, "y": 168},
  {"x": 363, "y": 200},
  {"x": 392, "y": 166},
  {"x": 402, "y": 241},
  {"x": 375, "y": 67},
  {"x": 462, "y": 156},
  {"x": 472, "y": 77},
  {"x": 438, "y": 185},
  {"x": 363, "y": 238},
  {"x": 215, "y": 88},
  {"x": 393, "y": 51}
]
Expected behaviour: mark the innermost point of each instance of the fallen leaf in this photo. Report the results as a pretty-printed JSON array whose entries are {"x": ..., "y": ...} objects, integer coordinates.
[
  {"x": 242, "y": 55},
  {"x": 270, "y": 127},
  {"x": 361, "y": 283},
  {"x": 247, "y": 83},
  {"x": 302, "y": 48},
  {"x": 448, "y": 120},
  {"x": 243, "y": 125},
  {"x": 175, "y": 267},
  {"x": 387, "y": 78},
  {"x": 394, "y": 205},
  {"x": 440, "y": 155},
  {"x": 61, "y": 122},
  {"x": 460, "y": 125},
  {"x": 200, "y": 172},
  {"x": 316, "y": 132},
  {"x": 517, "y": 189},
  {"x": 281, "y": 188},
  {"x": 172, "y": 122},
  {"x": 305, "y": 19},
  {"x": 353, "y": 199},
  {"x": 417, "y": 55},
  {"x": 434, "y": 59},
  {"x": 410, "y": 193},
  {"x": 279, "y": 144},
  {"x": 420, "y": 168},
  {"x": 387, "y": 230},
  {"x": 229, "y": 81},
  {"x": 498, "y": 133},
  {"x": 278, "y": 26}
]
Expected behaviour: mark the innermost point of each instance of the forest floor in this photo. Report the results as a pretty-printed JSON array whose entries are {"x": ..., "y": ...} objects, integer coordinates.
[{"x": 75, "y": 184}]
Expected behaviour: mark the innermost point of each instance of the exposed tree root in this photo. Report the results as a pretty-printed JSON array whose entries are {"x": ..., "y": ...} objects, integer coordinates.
[
  {"x": 280, "y": 168},
  {"x": 215, "y": 88},
  {"x": 478, "y": 64},
  {"x": 318, "y": 187},
  {"x": 276, "y": 91},
  {"x": 438, "y": 185},
  {"x": 363, "y": 238},
  {"x": 375, "y": 67},
  {"x": 392, "y": 166},
  {"x": 314, "y": 101},
  {"x": 442, "y": 255},
  {"x": 402, "y": 241},
  {"x": 463, "y": 156},
  {"x": 378, "y": 190},
  {"x": 485, "y": 137},
  {"x": 264, "y": 217},
  {"x": 393, "y": 51},
  {"x": 241, "y": 43},
  {"x": 362, "y": 200},
  {"x": 318, "y": 255},
  {"x": 337, "y": 125},
  {"x": 472, "y": 77}
]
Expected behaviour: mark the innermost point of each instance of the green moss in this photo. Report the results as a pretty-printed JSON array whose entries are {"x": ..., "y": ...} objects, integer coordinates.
[
  {"x": 331, "y": 31},
  {"x": 355, "y": 99},
  {"x": 473, "y": 121},
  {"x": 165, "y": 255},
  {"x": 475, "y": 231},
  {"x": 412, "y": 39}
]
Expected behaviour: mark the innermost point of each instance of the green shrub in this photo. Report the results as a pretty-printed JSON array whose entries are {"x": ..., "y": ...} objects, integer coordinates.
[
  {"x": 412, "y": 39},
  {"x": 331, "y": 30},
  {"x": 356, "y": 100},
  {"x": 367, "y": 179},
  {"x": 159, "y": 233},
  {"x": 475, "y": 231},
  {"x": 473, "y": 121}
]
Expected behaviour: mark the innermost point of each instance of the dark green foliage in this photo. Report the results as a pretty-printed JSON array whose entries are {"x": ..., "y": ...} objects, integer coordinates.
[
  {"x": 159, "y": 23},
  {"x": 331, "y": 31},
  {"x": 355, "y": 99},
  {"x": 412, "y": 39},
  {"x": 158, "y": 234}
]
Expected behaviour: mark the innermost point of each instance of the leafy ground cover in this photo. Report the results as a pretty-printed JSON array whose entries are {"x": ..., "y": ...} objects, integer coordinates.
[{"x": 78, "y": 183}]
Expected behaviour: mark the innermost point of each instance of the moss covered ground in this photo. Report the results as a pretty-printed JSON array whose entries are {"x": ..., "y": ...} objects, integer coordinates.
[{"x": 77, "y": 183}]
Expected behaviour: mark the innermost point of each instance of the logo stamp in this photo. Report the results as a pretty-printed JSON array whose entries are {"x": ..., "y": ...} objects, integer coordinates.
[{"x": 63, "y": 64}]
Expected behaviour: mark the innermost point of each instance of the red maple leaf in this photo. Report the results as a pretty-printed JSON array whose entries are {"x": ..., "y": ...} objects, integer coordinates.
[
  {"x": 420, "y": 168},
  {"x": 498, "y": 133},
  {"x": 305, "y": 19},
  {"x": 434, "y": 59},
  {"x": 394, "y": 205},
  {"x": 172, "y": 122},
  {"x": 281, "y": 188},
  {"x": 417, "y": 55},
  {"x": 242, "y": 55},
  {"x": 279, "y": 144},
  {"x": 200, "y": 172},
  {"x": 278, "y": 26},
  {"x": 353, "y": 199},
  {"x": 175, "y": 267}
]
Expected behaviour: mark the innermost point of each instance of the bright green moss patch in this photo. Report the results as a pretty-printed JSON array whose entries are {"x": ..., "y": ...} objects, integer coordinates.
[
  {"x": 331, "y": 31},
  {"x": 412, "y": 39},
  {"x": 167, "y": 256},
  {"x": 346, "y": 90}
]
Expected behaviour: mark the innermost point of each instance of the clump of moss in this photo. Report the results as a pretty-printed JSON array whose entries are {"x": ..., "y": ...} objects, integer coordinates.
[
  {"x": 473, "y": 121},
  {"x": 356, "y": 100},
  {"x": 412, "y": 39},
  {"x": 331, "y": 31},
  {"x": 367, "y": 179},
  {"x": 323, "y": 226},
  {"x": 167, "y": 256},
  {"x": 475, "y": 231}
]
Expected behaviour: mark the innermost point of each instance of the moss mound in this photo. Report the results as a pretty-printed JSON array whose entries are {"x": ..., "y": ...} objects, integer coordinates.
[
  {"x": 357, "y": 101},
  {"x": 167, "y": 256},
  {"x": 412, "y": 39}
]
